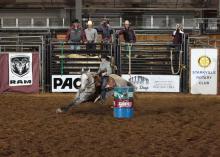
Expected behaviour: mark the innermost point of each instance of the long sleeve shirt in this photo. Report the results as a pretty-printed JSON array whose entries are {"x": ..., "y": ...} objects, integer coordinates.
[
  {"x": 91, "y": 35},
  {"x": 105, "y": 66},
  {"x": 128, "y": 34},
  {"x": 106, "y": 32}
]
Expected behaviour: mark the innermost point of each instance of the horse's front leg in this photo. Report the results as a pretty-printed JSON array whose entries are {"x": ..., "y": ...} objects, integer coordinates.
[
  {"x": 80, "y": 97},
  {"x": 71, "y": 104}
]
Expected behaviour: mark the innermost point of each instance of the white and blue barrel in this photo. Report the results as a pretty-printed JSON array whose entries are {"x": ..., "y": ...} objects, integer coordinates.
[{"x": 123, "y": 102}]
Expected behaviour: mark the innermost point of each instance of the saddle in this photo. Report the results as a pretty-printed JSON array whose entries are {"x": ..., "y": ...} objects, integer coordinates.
[{"x": 110, "y": 83}]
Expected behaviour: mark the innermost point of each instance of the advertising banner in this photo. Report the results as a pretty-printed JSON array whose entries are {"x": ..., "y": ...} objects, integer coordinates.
[
  {"x": 20, "y": 69},
  {"x": 66, "y": 83},
  {"x": 204, "y": 71},
  {"x": 154, "y": 83},
  {"x": 24, "y": 84}
]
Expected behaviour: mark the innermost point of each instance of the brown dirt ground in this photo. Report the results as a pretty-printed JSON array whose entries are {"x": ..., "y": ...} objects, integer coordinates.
[{"x": 164, "y": 125}]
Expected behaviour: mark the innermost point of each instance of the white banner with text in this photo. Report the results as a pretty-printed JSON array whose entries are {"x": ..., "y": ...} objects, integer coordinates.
[
  {"x": 154, "y": 83},
  {"x": 66, "y": 83},
  {"x": 204, "y": 71}
]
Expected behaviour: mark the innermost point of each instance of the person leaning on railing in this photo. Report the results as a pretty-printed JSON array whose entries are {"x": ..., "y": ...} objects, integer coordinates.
[
  {"x": 91, "y": 36},
  {"x": 106, "y": 31},
  {"x": 75, "y": 34},
  {"x": 128, "y": 34}
]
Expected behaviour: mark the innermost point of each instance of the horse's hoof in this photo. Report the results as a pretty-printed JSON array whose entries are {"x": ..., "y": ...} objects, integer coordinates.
[{"x": 59, "y": 110}]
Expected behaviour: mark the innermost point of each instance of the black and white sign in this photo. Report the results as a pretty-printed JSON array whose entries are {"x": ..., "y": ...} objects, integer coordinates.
[
  {"x": 204, "y": 71},
  {"x": 154, "y": 83},
  {"x": 20, "y": 69},
  {"x": 66, "y": 83}
]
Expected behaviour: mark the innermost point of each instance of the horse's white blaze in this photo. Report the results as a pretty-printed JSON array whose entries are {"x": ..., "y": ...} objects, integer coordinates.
[{"x": 84, "y": 81}]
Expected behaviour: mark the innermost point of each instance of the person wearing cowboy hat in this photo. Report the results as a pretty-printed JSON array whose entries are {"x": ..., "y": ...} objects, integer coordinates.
[
  {"x": 91, "y": 36},
  {"x": 106, "y": 31},
  {"x": 75, "y": 34},
  {"x": 128, "y": 33}
]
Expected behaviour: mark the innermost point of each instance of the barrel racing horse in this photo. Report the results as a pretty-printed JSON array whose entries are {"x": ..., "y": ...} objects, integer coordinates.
[{"x": 89, "y": 89}]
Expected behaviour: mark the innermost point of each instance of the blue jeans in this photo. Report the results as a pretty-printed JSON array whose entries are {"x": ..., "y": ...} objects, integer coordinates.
[
  {"x": 74, "y": 47},
  {"x": 104, "y": 81}
]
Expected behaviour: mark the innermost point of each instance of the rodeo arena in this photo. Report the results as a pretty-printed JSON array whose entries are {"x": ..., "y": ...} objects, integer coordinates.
[{"x": 109, "y": 78}]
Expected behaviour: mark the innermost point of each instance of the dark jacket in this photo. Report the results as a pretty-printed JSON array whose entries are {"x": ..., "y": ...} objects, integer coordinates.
[
  {"x": 106, "y": 32},
  {"x": 177, "y": 37},
  {"x": 128, "y": 34}
]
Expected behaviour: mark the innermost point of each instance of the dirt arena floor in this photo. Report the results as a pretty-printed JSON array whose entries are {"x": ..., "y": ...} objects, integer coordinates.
[{"x": 164, "y": 125}]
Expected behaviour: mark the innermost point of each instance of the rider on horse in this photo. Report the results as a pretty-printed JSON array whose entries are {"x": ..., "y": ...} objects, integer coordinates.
[{"x": 104, "y": 71}]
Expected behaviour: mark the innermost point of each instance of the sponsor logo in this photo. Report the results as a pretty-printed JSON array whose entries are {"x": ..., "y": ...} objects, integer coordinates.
[
  {"x": 204, "y": 61},
  {"x": 20, "y": 65},
  {"x": 141, "y": 81},
  {"x": 22, "y": 82},
  {"x": 69, "y": 83}
]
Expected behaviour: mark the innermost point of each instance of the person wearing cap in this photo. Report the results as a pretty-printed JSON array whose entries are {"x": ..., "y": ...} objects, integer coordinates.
[
  {"x": 104, "y": 71},
  {"x": 177, "y": 34},
  {"x": 177, "y": 41},
  {"x": 106, "y": 31},
  {"x": 91, "y": 36},
  {"x": 75, "y": 34},
  {"x": 128, "y": 34}
]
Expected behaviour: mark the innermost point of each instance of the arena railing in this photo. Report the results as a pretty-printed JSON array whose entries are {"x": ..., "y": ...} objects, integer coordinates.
[
  {"x": 154, "y": 58},
  {"x": 34, "y": 22},
  {"x": 145, "y": 22},
  {"x": 66, "y": 61}
]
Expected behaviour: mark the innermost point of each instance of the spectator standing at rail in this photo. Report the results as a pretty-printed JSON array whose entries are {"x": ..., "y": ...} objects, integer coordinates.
[
  {"x": 104, "y": 71},
  {"x": 75, "y": 35},
  {"x": 178, "y": 36},
  {"x": 106, "y": 31},
  {"x": 177, "y": 44},
  {"x": 91, "y": 36},
  {"x": 128, "y": 34}
]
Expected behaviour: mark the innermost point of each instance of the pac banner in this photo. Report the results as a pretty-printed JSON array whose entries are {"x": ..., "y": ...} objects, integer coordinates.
[
  {"x": 66, "y": 83},
  {"x": 204, "y": 71},
  {"x": 20, "y": 69},
  {"x": 154, "y": 83}
]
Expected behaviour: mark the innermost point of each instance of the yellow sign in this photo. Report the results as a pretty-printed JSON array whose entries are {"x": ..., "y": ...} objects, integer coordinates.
[{"x": 204, "y": 61}]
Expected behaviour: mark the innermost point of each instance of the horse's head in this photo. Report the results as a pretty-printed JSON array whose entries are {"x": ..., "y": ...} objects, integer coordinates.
[{"x": 87, "y": 79}]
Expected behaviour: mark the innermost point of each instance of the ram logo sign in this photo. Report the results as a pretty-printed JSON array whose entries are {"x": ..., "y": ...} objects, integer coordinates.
[
  {"x": 20, "y": 69},
  {"x": 20, "y": 65}
]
